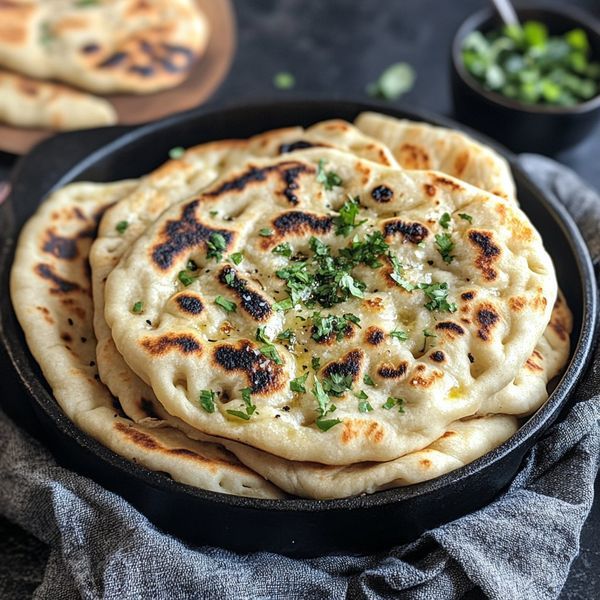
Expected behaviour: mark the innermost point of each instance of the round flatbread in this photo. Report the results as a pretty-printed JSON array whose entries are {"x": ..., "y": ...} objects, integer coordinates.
[
  {"x": 172, "y": 182},
  {"x": 423, "y": 146},
  {"x": 51, "y": 294},
  {"x": 104, "y": 47},
  {"x": 460, "y": 273}
]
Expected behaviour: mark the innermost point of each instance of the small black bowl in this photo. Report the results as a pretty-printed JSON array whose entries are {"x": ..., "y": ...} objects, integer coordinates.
[{"x": 522, "y": 127}]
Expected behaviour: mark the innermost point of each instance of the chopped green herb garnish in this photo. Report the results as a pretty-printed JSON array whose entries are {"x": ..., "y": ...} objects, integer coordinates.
[
  {"x": 283, "y": 305},
  {"x": 186, "y": 278},
  {"x": 121, "y": 226},
  {"x": 207, "y": 400},
  {"x": 398, "y": 274},
  {"x": 269, "y": 350},
  {"x": 230, "y": 278},
  {"x": 466, "y": 217},
  {"x": 176, "y": 152},
  {"x": 83, "y": 3},
  {"x": 236, "y": 258},
  {"x": 284, "y": 81},
  {"x": 324, "y": 408},
  {"x": 399, "y": 335},
  {"x": 239, "y": 414},
  {"x": 46, "y": 33},
  {"x": 345, "y": 221},
  {"x": 368, "y": 380},
  {"x": 225, "y": 304},
  {"x": 364, "y": 405},
  {"x": 426, "y": 334},
  {"x": 265, "y": 232},
  {"x": 315, "y": 363},
  {"x": 216, "y": 245},
  {"x": 337, "y": 384},
  {"x": 298, "y": 385},
  {"x": 438, "y": 297},
  {"x": 138, "y": 307},
  {"x": 329, "y": 179},
  {"x": 396, "y": 80},
  {"x": 283, "y": 250},
  {"x": 445, "y": 245},
  {"x": 249, "y": 407},
  {"x": 213, "y": 213},
  {"x": 445, "y": 220},
  {"x": 392, "y": 402},
  {"x": 287, "y": 335},
  {"x": 324, "y": 326}
]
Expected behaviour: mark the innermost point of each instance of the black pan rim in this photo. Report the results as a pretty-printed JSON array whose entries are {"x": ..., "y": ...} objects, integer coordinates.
[{"x": 532, "y": 428}]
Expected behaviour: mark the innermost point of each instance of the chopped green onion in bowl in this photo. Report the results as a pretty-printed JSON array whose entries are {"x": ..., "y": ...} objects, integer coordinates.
[{"x": 527, "y": 64}]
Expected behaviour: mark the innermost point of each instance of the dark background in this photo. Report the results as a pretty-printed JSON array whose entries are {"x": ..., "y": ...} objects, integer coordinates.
[{"x": 334, "y": 48}]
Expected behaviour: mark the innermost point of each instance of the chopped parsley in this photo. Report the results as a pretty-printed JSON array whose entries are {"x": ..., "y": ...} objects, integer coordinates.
[
  {"x": 249, "y": 407},
  {"x": 298, "y": 385},
  {"x": 269, "y": 350},
  {"x": 176, "y": 152},
  {"x": 83, "y": 3},
  {"x": 121, "y": 226},
  {"x": 230, "y": 278},
  {"x": 337, "y": 384},
  {"x": 216, "y": 245},
  {"x": 213, "y": 213},
  {"x": 398, "y": 274},
  {"x": 466, "y": 217},
  {"x": 329, "y": 179},
  {"x": 283, "y": 250},
  {"x": 364, "y": 405},
  {"x": 345, "y": 221},
  {"x": 207, "y": 400},
  {"x": 325, "y": 407},
  {"x": 445, "y": 220},
  {"x": 324, "y": 326},
  {"x": 438, "y": 296},
  {"x": 392, "y": 402},
  {"x": 236, "y": 258},
  {"x": 445, "y": 245},
  {"x": 287, "y": 335},
  {"x": 399, "y": 335},
  {"x": 283, "y": 305},
  {"x": 367, "y": 380},
  {"x": 186, "y": 277},
  {"x": 225, "y": 304},
  {"x": 265, "y": 232},
  {"x": 138, "y": 307},
  {"x": 315, "y": 363},
  {"x": 426, "y": 334}
]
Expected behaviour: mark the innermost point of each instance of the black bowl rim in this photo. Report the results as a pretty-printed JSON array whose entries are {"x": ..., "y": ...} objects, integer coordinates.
[
  {"x": 579, "y": 355},
  {"x": 474, "y": 22}
]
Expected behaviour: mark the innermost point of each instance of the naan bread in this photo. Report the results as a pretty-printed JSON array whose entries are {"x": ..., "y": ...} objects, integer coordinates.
[
  {"x": 26, "y": 102},
  {"x": 181, "y": 342},
  {"x": 50, "y": 289},
  {"x": 172, "y": 182},
  {"x": 464, "y": 442},
  {"x": 105, "y": 46},
  {"x": 423, "y": 146}
]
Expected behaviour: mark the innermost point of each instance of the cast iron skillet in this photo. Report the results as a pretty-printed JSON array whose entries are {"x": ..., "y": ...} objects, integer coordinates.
[{"x": 293, "y": 527}]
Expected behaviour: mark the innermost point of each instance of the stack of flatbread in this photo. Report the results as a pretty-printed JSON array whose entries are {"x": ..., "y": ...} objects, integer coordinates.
[
  {"x": 96, "y": 46},
  {"x": 318, "y": 312}
]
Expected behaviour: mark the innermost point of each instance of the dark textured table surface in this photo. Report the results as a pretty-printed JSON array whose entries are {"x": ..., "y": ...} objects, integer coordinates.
[{"x": 336, "y": 48}]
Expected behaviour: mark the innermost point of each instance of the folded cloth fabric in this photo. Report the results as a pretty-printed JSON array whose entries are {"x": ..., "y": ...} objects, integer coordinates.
[{"x": 520, "y": 546}]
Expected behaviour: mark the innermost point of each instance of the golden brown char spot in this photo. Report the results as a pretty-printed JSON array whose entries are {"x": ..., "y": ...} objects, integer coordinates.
[
  {"x": 448, "y": 183},
  {"x": 451, "y": 328},
  {"x": 517, "y": 303},
  {"x": 297, "y": 145},
  {"x": 420, "y": 380},
  {"x": 411, "y": 156},
  {"x": 374, "y": 336},
  {"x": 449, "y": 434},
  {"x": 354, "y": 428},
  {"x": 411, "y": 232},
  {"x": 253, "y": 303},
  {"x": 389, "y": 371},
  {"x": 487, "y": 317},
  {"x": 373, "y": 304},
  {"x": 430, "y": 190},
  {"x": 382, "y": 194},
  {"x": 519, "y": 229},
  {"x": 425, "y": 463},
  {"x": 365, "y": 172},
  {"x": 560, "y": 326},
  {"x": 539, "y": 301},
  {"x": 487, "y": 251},
  {"x": 60, "y": 285},
  {"x": 179, "y": 342},
  {"x": 46, "y": 314},
  {"x": 288, "y": 171},
  {"x": 437, "y": 356},
  {"x": 181, "y": 235},
  {"x": 261, "y": 373},
  {"x": 348, "y": 365},
  {"x": 296, "y": 222},
  {"x": 460, "y": 162},
  {"x": 60, "y": 247},
  {"x": 189, "y": 303}
]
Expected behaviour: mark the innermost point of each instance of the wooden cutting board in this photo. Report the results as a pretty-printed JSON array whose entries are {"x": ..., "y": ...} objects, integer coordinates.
[{"x": 132, "y": 109}]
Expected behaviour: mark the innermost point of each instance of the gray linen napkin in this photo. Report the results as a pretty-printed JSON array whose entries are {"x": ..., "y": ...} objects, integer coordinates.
[{"x": 520, "y": 546}]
